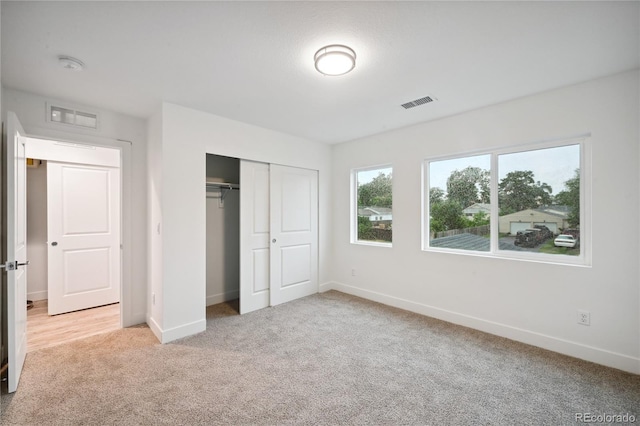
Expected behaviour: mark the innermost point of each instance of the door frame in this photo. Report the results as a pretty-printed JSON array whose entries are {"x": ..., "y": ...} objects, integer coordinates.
[{"x": 127, "y": 316}]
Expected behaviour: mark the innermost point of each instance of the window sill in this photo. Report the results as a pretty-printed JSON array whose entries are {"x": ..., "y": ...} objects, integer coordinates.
[
  {"x": 561, "y": 260},
  {"x": 372, "y": 243}
]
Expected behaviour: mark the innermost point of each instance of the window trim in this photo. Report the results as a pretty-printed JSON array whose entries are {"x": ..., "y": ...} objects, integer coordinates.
[
  {"x": 583, "y": 259},
  {"x": 354, "y": 206}
]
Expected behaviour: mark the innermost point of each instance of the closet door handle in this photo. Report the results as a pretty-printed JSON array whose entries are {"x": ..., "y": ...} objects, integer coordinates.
[
  {"x": 273, "y": 241},
  {"x": 55, "y": 243}
]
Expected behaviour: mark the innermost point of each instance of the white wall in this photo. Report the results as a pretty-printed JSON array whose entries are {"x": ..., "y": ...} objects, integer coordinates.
[
  {"x": 37, "y": 282},
  {"x": 154, "y": 225},
  {"x": 30, "y": 109},
  {"x": 527, "y": 301},
  {"x": 186, "y": 136}
]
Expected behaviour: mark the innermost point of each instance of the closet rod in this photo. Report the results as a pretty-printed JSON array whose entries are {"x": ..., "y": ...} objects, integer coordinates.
[
  {"x": 224, "y": 189},
  {"x": 222, "y": 185}
]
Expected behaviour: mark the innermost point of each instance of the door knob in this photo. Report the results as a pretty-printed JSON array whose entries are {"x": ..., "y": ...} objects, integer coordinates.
[
  {"x": 273, "y": 241},
  {"x": 55, "y": 243}
]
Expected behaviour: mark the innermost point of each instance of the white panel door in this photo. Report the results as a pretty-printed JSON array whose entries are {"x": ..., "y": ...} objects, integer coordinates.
[
  {"x": 83, "y": 221},
  {"x": 254, "y": 236},
  {"x": 16, "y": 249},
  {"x": 294, "y": 233}
]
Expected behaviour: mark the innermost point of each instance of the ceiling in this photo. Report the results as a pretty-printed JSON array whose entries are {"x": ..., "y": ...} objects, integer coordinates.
[{"x": 253, "y": 61}]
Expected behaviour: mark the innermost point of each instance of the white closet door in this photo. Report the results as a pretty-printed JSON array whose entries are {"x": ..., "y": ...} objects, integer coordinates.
[
  {"x": 254, "y": 236},
  {"x": 83, "y": 224},
  {"x": 294, "y": 233}
]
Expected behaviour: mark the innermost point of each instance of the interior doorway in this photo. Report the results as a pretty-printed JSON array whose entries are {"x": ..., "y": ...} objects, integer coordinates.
[{"x": 73, "y": 241}]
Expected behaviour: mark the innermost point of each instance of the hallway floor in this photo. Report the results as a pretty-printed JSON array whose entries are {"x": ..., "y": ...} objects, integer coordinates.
[{"x": 44, "y": 331}]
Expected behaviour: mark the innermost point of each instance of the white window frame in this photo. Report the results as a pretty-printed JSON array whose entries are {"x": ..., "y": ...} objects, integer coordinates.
[
  {"x": 354, "y": 205},
  {"x": 583, "y": 259}
]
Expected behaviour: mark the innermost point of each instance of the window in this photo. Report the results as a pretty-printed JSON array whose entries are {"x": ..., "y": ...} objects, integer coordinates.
[
  {"x": 459, "y": 193},
  {"x": 373, "y": 206},
  {"x": 519, "y": 203}
]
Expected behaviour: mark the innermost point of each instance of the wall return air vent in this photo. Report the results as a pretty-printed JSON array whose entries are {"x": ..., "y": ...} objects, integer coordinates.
[
  {"x": 58, "y": 114},
  {"x": 418, "y": 102}
]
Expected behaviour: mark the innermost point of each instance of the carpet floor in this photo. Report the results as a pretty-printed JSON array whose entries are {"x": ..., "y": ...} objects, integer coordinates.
[{"x": 327, "y": 359}]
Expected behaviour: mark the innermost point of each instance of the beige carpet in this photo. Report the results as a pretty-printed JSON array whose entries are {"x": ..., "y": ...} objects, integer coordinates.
[{"x": 326, "y": 359}]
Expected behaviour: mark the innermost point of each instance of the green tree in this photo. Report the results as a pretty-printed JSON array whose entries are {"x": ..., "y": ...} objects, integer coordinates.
[
  {"x": 519, "y": 191},
  {"x": 468, "y": 186},
  {"x": 571, "y": 198},
  {"x": 479, "y": 219},
  {"x": 378, "y": 192},
  {"x": 436, "y": 195},
  {"x": 365, "y": 229},
  {"x": 447, "y": 215}
]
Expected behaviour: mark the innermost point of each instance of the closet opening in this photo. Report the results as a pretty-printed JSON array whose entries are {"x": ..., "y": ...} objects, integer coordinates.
[{"x": 223, "y": 235}]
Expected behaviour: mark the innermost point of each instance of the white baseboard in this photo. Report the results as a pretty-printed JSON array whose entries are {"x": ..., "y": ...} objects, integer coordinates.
[
  {"x": 329, "y": 285},
  {"x": 222, "y": 297},
  {"x": 566, "y": 347},
  {"x": 183, "y": 331},
  {"x": 135, "y": 319},
  {"x": 171, "y": 334},
  {"x": 155, "y": 328},
  {"x": 38, "y": 295}
]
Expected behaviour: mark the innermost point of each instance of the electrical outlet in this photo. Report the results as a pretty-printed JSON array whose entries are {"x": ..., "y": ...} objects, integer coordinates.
[
  {"x": 353, "y": 272},
  {"x": 584, "y": 317}
]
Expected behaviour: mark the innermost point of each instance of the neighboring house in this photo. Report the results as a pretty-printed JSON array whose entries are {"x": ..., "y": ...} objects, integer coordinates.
[
  {"x": 378, "y": 216},
  {"x": 476, "y": 208},
  {"x": 553, "y": 217}
]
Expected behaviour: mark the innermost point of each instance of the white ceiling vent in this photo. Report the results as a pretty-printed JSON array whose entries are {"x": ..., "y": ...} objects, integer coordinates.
[
  {"x": 63, "y": 115},
  {"x": 418, "y": 102}
]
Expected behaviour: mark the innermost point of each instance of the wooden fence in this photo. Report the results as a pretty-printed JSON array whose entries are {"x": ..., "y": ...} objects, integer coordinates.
[
  {"x": 375, "y": 234},
  {"x": 476, "y": 230}
]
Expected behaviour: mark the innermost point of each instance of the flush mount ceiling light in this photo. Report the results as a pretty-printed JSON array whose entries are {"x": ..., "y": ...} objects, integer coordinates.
[
  {"x": 69, "y": 63},
  {"x": 335, "y": 59}
]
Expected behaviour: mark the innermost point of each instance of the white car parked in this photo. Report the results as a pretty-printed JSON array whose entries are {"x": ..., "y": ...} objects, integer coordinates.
[{"x": 565, "y": 240}]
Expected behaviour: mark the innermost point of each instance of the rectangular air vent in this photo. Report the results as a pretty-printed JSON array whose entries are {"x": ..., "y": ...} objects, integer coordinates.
[
  {"x": 58, "y": 114},
  {"x": 418, "y": 102}
]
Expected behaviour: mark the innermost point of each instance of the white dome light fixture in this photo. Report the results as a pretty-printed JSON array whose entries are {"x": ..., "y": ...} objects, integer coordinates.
[
  {"x": 335, "y": 59},
  {"x": 69, "y": 63}
]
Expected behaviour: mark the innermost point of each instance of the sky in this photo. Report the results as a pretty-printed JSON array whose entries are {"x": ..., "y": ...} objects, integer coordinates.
[
  {"x": 553, "y": 166},
  {"x": 367, "y": 176}
]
